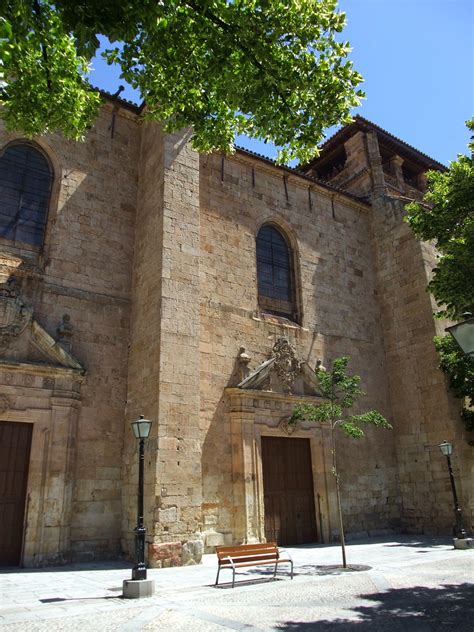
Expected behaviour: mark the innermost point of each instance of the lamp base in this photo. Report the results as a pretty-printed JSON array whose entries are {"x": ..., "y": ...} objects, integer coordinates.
[
  {"x": 462, "y": 543},
  {"x": 138, "y": 588}
]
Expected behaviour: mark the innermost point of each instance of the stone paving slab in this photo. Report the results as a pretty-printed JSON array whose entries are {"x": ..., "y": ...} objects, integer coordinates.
[{"x": 402, "y": 578}]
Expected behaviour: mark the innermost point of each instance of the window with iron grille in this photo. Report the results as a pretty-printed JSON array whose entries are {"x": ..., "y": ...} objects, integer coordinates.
[
  {"x": 274, "y": 272},
  {"x": 25, "y": 189}
]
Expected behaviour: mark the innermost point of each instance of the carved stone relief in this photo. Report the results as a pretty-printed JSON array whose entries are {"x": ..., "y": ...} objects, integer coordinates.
[
  {"x": 287, "y": 427},
  {"x": 286, "y": 364},
  {"x": 14, "y": 315},
  {"x": 243, "y": 360},
  {"x": 65, "y": 333},
  {"x": 281, "y": 373},
  {"x": 48, "y": 382},
  {"x": 5, "y": 404}
]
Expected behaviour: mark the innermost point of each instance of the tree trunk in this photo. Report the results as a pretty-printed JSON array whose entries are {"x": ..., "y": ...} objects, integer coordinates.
[{"x": 338, "y": 496}]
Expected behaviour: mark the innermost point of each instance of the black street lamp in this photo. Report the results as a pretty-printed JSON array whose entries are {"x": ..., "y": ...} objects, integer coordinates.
[
  {"x": 447, "y": 449},
  {"x": 463, "y": 334},
  {"x": 141, "y": 429}
]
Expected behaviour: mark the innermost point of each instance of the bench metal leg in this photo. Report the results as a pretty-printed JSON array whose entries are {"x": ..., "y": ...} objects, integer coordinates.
[
  {"x": 275, "y": 570},
  {"x": 217, "y": 578},
  {"x": 291, "y": 562},
  {"x": 233, "y": 578}
]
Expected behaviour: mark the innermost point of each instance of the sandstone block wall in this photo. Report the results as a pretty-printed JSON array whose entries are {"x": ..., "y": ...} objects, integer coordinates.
[
  {"x": 424, "y": 412},
  {"x": 84, "y": 270},
  {"x": 339, "y": 315},
  {"x": 150, "y": 248},
  {"x": 164, "y": 358}
]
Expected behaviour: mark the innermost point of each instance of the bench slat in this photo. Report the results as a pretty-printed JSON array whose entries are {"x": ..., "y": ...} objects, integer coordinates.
[
  {"x": 241, "y": 555},
  {"x": 229, "y": 551},
  {"x": 248, "y": 558},
  {"x": 255, "y": 545},
  {"x": 270, "y": 548}
]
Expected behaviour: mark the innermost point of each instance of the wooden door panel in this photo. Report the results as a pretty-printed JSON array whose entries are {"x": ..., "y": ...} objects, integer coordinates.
[
  {"x": 15, "y": 442},
  {"x": 288, "y": 491}
]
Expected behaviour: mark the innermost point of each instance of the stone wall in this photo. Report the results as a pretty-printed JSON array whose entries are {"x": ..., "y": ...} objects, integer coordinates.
[
  {"x": 424, "y": 412},
  {"x": 84, "y": 270},
  {"x": 336, "y": 283},
  {"x": 150, "y": 248},
  {"x": 164, "y": 358}
]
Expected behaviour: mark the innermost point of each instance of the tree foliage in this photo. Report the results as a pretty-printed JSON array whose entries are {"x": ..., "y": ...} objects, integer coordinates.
[
  {"x": 446, "y": 216},
  {"x": 271, "y": 70},
  {"x": 460, "y": 371},
  {"x": 42, "y": 84},
  {"x": 341, "y": 391}
]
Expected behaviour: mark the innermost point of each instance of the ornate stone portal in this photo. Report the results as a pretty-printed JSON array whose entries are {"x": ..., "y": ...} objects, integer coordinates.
[
  {"x": 45, "y": 394},
  {"x": 261, "y": 405}
]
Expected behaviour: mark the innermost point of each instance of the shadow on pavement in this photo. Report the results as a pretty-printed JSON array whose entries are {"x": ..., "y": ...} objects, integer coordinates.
[
  {"x": 245, "y": 582},
  {"x": 422, "y": 544},
  {"x": 420, "y": 541},
  {"x": 416, "y": 609},
  {"x": 314, "y": 569},
  {"x": 79, "y": 567},
  {"x": 63, "y": 599}
]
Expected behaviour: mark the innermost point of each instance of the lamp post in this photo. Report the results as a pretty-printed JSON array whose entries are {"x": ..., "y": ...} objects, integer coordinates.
[
  {"x": 141, "y": 429},
  {"x": 447, "y": 449},
  {"x": 463, "y": 334}
]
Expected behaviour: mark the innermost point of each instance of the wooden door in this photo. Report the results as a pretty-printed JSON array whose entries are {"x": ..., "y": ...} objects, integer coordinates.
[
  {"x": 288, "y": 491},
  {"x": 15, "y": 443}
]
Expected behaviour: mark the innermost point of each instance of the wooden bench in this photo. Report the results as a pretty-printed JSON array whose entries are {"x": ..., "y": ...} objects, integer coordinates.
[{"x": 240, "y": 555}]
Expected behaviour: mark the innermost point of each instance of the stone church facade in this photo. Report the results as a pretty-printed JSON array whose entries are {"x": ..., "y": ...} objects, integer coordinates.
[{"x": 139, "y": 277}]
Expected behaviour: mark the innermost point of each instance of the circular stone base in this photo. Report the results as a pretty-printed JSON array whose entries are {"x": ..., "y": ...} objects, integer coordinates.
[{"x": 462, "y": 543}]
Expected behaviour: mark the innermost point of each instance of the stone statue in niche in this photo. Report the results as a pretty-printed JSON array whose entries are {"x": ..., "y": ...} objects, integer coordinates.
[
  {"x": 65, "y": 333},
  {"x": 14, "y": 315},
  {"x": 286, "y": 364}
]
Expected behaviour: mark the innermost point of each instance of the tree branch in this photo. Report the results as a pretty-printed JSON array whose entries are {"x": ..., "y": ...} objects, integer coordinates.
[
  {"x": 228, "y": 28},
  {"x": 44, "y": 52}
]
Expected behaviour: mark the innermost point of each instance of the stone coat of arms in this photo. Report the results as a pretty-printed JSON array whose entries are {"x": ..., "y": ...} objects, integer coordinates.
[{"x": 14, "y": 315}]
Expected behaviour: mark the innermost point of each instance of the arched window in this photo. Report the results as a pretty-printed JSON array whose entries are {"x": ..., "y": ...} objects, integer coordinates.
[
  {"x": 25, "y": 189},
  {"x": 274, "y": 272}
]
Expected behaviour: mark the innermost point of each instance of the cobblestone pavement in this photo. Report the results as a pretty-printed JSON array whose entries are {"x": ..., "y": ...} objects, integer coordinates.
[{"x": 402, "y": 585}]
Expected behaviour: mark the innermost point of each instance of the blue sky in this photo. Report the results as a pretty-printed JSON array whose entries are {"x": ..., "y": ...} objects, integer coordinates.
[{"x": 417, "y": 60}]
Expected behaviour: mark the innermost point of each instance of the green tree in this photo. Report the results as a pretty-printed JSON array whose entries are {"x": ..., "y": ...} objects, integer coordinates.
[
  {"x": 271, "y": 70},
  {"x": 341, "y": 392},
  {"x": 446, "y": 217},
  {"x": 460, "y": 371}
]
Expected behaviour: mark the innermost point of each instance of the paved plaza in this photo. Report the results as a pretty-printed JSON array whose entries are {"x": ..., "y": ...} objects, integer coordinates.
[{"x": 398, "y": 584}]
